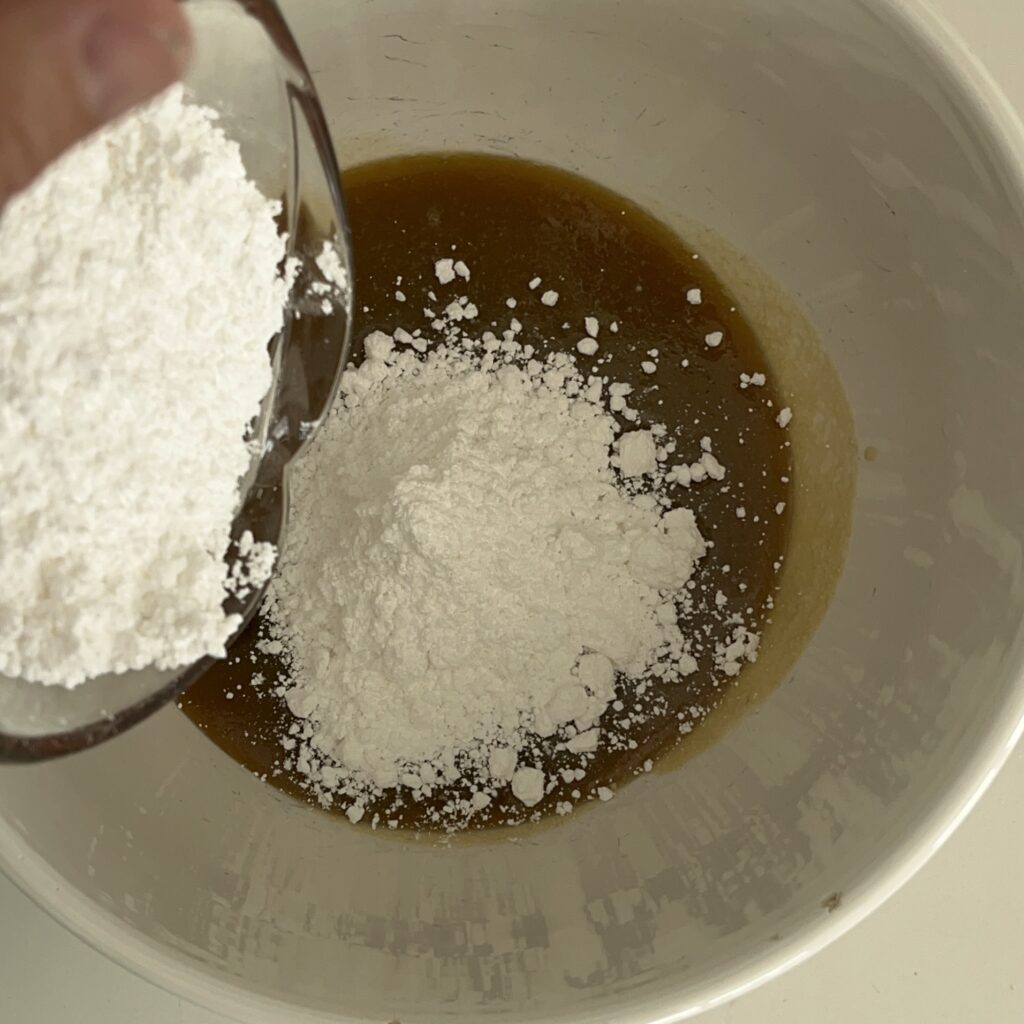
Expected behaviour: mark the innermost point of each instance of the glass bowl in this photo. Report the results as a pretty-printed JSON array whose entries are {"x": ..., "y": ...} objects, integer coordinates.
[{"x": 248, "y": 67}]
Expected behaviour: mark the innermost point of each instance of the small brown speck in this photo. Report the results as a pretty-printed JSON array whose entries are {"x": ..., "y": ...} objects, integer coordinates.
[
  {"x": 870, "y": 453},
  {"x": 833, "y": 902}
]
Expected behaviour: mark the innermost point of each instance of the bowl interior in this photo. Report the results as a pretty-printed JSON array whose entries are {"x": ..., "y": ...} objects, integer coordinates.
[{"x": 832, "y": 144}]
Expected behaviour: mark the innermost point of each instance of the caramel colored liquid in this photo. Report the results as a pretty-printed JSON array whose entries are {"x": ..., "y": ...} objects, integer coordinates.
[{"x": 511, "y": 221}]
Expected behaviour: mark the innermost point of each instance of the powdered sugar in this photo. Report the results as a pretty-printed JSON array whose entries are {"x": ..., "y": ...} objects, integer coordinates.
[
  {"x": 444, "y": 270},
  {"x": 502, "y": 604},
  {"x": 138, "y": 291},
  {"x": 637, "y": 454},
  {"x": 481, "y": 566}
]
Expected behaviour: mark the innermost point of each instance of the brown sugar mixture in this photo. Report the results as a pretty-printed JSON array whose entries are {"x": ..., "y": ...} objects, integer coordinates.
[{"x": 694, "y": 366}]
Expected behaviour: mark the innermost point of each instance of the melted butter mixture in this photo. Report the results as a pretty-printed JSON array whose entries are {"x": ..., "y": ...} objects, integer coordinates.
[{"x": 512, "y": 221}]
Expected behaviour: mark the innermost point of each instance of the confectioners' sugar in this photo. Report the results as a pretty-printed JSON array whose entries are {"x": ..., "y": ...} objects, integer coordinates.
[{"x": 138, "y": 291}]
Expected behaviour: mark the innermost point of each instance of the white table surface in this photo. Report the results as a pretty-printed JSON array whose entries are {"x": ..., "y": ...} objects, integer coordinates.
[{"x": 948, "y": 949}]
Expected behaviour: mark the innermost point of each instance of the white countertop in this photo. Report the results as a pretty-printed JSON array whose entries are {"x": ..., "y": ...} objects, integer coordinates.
[{"x": 959, "y": 925}]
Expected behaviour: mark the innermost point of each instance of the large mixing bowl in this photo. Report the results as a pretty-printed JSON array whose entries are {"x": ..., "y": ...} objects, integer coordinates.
[{"x": 856, "y": 153}]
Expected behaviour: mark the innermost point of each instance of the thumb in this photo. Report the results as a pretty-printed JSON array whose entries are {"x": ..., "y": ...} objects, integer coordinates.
[{"x": 69, "y": 66}]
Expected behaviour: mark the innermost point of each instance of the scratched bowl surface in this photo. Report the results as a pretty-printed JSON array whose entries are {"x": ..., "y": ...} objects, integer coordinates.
[{"x": 859, "y": 157}]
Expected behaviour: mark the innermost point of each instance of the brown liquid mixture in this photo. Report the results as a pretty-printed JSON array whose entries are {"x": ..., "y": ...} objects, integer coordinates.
[{"x": 512, "y": 221}]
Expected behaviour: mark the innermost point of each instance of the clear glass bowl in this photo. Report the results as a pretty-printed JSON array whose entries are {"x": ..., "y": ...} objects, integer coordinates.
[{"x": 248, "y": 67}]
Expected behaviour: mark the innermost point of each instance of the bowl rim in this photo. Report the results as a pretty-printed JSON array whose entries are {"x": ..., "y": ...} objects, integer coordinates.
[{"x": 998, "y": 121}]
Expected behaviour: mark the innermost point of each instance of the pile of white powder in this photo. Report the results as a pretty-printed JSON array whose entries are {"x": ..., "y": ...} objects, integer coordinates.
[
  {"x": 478, "y": 570},
  {"x": 476, "y": 555},
  {"x": 139, "y": 288}
]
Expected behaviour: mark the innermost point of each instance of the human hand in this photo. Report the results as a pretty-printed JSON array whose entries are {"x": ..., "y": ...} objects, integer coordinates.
[{"x": 69, "y": 66}]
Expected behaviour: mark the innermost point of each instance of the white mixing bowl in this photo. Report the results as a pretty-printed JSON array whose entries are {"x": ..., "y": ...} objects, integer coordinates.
[{"x": 856, "y": 153}]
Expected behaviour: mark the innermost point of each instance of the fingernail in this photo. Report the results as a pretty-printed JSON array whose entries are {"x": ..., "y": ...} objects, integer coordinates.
[{"x": 124, "y": 62}]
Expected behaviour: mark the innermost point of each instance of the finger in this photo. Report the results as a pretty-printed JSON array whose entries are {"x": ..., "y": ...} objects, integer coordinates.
[{"x": 69, "y": 66}]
